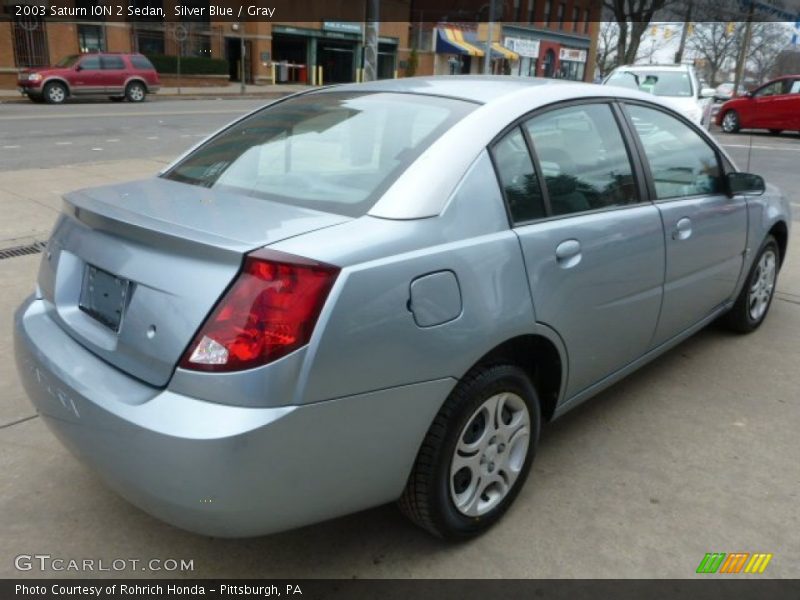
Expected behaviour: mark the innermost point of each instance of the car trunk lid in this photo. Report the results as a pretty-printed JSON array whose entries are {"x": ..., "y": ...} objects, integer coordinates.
[{"x": 132, "y": 270}]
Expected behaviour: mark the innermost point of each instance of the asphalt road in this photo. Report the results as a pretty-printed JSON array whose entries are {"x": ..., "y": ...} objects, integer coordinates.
[
  {"x": 40, "y": 135},
  {"x": 696, "y": 452}
]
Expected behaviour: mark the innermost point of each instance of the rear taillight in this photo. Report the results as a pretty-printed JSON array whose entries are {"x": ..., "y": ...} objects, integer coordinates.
[{"x": 269, "y": 311}]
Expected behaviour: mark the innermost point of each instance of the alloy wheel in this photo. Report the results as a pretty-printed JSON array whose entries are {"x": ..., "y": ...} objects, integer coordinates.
[
  {"x": 729, "y": 122},
  {"x": 490, "y": 454},
  {"x": 762, "y": 285}
]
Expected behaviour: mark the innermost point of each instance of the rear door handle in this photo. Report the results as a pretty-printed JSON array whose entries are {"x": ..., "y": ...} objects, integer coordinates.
[
  {"x": 568, "y": 253},
  {"x": 683, "y": 229}
]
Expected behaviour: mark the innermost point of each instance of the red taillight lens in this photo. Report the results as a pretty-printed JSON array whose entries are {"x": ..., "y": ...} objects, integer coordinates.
[{"x": 270, "y": 311}]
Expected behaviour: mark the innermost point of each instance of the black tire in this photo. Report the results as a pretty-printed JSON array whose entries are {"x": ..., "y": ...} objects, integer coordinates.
[
  {"x": 730, "y": 122},
  {"x": 740, "y": 318},
  {"x": 55, "y": 93},
  {"x": 116, "y": 98},
  {"x": 775, "y": 131},
  {"x": 135, "y": 91},
  {"x": 427, "y": 499}
]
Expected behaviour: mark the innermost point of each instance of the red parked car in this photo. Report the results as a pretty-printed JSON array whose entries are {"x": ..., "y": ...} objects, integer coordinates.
[
  {"x": 774, "y": 106},
  {"x": 118, "y": 76}
]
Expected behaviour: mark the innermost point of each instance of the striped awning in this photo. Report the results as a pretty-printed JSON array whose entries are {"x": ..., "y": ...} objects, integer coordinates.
[
  {"x": 500, "y": 51},
  {"x": 450, "y": 40}
]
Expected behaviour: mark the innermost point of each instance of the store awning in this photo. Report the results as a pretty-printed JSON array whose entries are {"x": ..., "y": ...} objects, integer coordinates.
[
  {"x": 450, "y": 40},
  {"x": 500, "y": 51}
]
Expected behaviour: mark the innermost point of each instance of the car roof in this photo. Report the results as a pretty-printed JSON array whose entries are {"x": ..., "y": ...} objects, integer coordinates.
[
  {"x": 652, "y": 67},
  {"x": 473, "y": 88}
]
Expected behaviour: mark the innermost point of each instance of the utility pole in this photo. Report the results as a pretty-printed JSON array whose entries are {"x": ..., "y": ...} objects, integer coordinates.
[
  {"x": 687, "y": 24},
  {"x": 742, "y": 60},
  {"x": 371, "y": 28},
  {"x": 487, "y": 57},
  {"x": 241, "y": 59}
]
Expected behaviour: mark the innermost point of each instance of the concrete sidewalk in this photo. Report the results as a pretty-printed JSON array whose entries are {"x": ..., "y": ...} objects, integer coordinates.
[{"x": 232, "y": 90}]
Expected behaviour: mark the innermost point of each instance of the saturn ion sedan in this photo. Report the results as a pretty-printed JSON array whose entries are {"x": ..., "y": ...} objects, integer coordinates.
[{"x": 380, "y": 292}]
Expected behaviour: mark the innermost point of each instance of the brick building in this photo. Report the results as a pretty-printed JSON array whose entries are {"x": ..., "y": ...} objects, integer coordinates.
[{"x": 538, "y": 38}]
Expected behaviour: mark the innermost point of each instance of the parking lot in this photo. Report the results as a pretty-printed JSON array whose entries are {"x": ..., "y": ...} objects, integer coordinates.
[{"x": 695, "y": 453}]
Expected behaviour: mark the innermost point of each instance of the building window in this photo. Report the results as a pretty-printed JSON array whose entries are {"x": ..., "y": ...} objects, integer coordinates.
[
  {"x": 576, "y": 15},
  {"x": 91, "y": 38},
  {"x": 531, "y": 11},
  {"x": 30, "y": 42},
  {"x": 561, "y": 15},
  {"x": 548, "y": 12},
  {"x": 586, "y": 20}
]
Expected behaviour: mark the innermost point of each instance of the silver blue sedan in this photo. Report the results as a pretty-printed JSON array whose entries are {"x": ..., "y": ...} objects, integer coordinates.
[{"x": 380, "y": 292}]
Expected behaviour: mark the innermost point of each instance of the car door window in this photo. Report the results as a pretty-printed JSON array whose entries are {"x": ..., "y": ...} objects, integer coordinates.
[
  {"x": 112, "y": 62},
  {"x": 518, "y": 178},
  {"x": 771, "y": 89},
  {"x": 583, "y": 158},
  {"x": 681, "y": 162},
  {"x": 90, "y": 63},
  {"x": 795, "y": 89}
]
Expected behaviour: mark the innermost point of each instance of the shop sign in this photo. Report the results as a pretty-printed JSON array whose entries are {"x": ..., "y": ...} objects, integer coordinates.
[
  {"x": 523, "y": 46},
  {"x": 572, "y": 54},
  {"x": 342, "y": 26}
]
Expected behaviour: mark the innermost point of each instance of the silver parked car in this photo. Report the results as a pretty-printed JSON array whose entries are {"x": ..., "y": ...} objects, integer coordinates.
[{"x": 377, "y": 292}]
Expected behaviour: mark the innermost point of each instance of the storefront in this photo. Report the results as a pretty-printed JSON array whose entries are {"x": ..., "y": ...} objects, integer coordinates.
[
  {"x": 547, "y": 53},
  {"x": 460, "y": 52},
  {"x": 572, "y": 63},
  {"x": 332, "y": 54}
]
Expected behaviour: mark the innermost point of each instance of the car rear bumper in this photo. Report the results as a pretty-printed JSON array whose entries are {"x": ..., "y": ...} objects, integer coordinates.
[{"x": 217, "y": 469}]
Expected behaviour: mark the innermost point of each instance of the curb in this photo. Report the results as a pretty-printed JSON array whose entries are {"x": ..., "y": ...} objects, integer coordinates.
[{"x": 167, "y": 98}]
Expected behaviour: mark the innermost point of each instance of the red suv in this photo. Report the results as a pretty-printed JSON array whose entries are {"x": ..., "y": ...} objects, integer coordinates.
[
  {"x": 774, "y": 106},
  {"x": 118, "y": 76}
]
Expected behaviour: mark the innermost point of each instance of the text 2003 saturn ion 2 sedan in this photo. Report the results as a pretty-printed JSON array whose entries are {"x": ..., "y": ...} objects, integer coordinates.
[{"x": 379, "y": 292}]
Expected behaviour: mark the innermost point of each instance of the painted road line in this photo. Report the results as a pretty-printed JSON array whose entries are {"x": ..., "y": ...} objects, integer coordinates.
[
  {"x": 10, "y": 147},
  {"x": 754, "y": 147},
  {"x": 63, "y": 143}
]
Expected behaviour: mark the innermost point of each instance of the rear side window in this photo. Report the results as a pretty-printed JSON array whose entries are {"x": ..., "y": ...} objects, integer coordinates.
[
  {"x": 681, "y": 162},
  {"x": 518, "y": 178},
  {"x": 141, "y": 62},
  {"x": 583, "y": 158},
  {"x": 335, "y": 151},
  {"x": 90, "y": 63},
  {"x": 112, "y": 62}
]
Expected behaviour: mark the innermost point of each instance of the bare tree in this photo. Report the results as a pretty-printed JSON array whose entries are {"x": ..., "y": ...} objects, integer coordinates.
[
  {"x": 717, "y": 43},
  {"x": 767, "y": 42},
  {"x": 632, "y": 18},
  {"x": 607, "y": 47}
]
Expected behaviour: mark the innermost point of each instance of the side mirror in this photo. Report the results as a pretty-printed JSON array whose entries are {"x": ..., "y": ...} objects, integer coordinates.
[
  {"x": 78, "y": 67},
  {"x": 748, "y": 184},
  {"x": 748, "y": 94},
  {"x": 707, "y": 92}
]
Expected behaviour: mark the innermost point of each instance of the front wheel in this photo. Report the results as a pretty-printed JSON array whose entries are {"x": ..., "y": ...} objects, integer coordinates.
[
  {"x": 135, "y": 92},
  {"x": 730, "y": 122},
  {"x": 55, "y": 93},
  {"x": 476, "y": 455},
  {"x": 753, "y": 302}
]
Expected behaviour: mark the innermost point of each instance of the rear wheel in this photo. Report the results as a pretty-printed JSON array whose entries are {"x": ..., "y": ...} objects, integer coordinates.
[
  {"x": 55, "y": 93},
  {"x": 752, "y": 305},
  {"x": 476, "y": 455},
  {"x": 730, "y": 122},
  {"x": 135, "y": 92}
]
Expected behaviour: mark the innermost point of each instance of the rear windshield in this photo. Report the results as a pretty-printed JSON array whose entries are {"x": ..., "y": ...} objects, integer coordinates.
[
  {"x": 660, "y": 83},
  {"x": 335, "y": 151}
]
